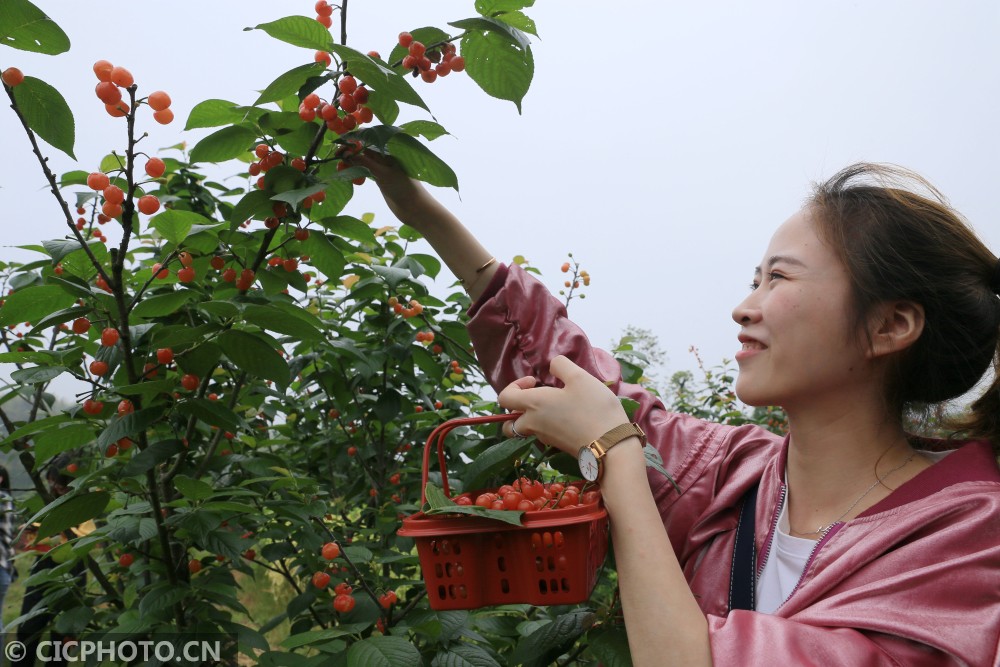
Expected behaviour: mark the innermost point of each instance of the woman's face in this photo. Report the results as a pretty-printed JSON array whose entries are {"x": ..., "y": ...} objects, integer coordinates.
[{"x": 797, "y": 345}]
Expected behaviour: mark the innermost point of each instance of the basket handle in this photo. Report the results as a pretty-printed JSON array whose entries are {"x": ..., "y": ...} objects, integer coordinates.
[{"x": 439, "y": 434}]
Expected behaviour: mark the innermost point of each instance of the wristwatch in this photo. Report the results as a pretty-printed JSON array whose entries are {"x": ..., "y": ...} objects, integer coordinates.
[{"x": 590, "y": 455}]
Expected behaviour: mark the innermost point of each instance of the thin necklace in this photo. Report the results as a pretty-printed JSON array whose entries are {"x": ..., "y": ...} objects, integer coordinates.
[{"x": 823, "y": 529}]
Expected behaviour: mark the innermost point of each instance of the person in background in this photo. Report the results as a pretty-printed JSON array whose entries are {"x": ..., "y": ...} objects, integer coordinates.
[
  {"x": 867, "y": 543},
  {"x": 30, "y": 632},
  {"x": 7, "y": 572}
]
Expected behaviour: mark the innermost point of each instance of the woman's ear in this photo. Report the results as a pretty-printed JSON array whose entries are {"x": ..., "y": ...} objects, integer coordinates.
[{"x": 895, "y": 326}]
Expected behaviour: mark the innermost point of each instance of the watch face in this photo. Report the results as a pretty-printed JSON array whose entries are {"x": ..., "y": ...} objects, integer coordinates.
[{"x": 588, "y": 464}]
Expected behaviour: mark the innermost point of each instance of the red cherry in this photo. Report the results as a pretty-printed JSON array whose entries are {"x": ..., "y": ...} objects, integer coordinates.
[
  {"x": 405, "y": 39},
  {"x": 165, "y": 355},
  {"x": 331, "y": 550},
  {"x": 155, "y": 167},
  {"x": 126, "y": 560},
  {"x": 343, "y": 603},
  {"x": 320, "y": 580},
  {"x": 190, "y": 381},
  {"x": 125, "y": 407},
  {"x": 109, "y": 337},
  {"x": 186, "y": 275}
]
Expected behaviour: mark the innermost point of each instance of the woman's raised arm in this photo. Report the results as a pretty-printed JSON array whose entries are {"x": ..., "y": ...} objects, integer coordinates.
[{"x": 414, "y": 206}]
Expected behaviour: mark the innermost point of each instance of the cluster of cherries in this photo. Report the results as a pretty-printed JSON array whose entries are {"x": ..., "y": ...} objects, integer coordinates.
[
  {"x": 412, "y": 310},
  {"x": 352, "y": 101},
  {"x": 529, "y": 495},
  {"x": 429, "y": 65},
  {"x": 343, "y": 600},
  {"x": 111, "y": 79}
]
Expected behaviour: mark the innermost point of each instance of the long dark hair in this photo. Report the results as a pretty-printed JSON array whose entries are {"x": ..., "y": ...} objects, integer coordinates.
[{"x": 901, "y": 241}]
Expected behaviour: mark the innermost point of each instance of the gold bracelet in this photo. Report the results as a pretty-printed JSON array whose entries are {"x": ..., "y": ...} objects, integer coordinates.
[{"x": 490, "y": 262}]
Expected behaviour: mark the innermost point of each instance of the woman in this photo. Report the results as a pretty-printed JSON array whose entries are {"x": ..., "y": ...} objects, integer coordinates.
[
  {"x": 872, "y": 546},
  {"x": 7, "y": 571}
]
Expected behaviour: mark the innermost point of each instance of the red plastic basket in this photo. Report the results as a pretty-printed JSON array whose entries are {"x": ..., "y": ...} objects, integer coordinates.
[{"x": 470, "y": 562}]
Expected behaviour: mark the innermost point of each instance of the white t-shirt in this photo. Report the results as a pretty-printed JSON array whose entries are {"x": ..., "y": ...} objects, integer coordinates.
[{"x": 784, "y": 565}]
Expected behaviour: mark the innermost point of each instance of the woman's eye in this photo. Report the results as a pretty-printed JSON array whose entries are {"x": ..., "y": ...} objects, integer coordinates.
[
  {"x": 754, "y": 285},
  {"x": 774, "y": 276}
]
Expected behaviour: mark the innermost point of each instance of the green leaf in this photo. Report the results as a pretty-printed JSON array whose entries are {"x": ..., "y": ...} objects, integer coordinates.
[
  {"x": 195, "y": 489},
  {"x": 298, "y": 141},
  {"x": 441, "y": 504},
  {"x": 385, "y": 651},
  {"x": 520, "y": 21},
  {"x": 490, "y": 25},
  {"x": 75, "y": 177},
  {"x": 462, "y": 654},
  {"x": 225, "y": 144},
  {"x": 130, "y": 424},
  {"x": 419, "y": 162},
  {"x": 351, "y": 228},
  {"x": 494, "y": 461},
  {"x": 655, "y": 461},
  {"x": 255, "y": 205},
  {"x": 295, "y": 197},
  {"x": 257, "y": 357},
  {"x": 156, "y": 453},
  {"x": 299, "y": 31},
  {"x": 24, "y": 26},
  {"x": 210, "y": 412},
  {"x": 112, "y": 162},
  {"x": 393, "y": 275},
  {"x": 323, "y": 255},
  {"x": 548, "y": 642},
  {"x": 377, "y": 76},
  {"x": 630, "y": 406},
  {"x": 60, "y": 248},
  {"x": 610, "y": 647},
  {"x": 383, "y": 106},
  {"x": 163, "y": 304},
  {"x": 427, "y": 129},
  {"x": 427, "y": 264},
  {"x": 273, "y": 319},
  {"x": 47, "y": 114},
  {"x": 174, "y": 225},
  {"x": 66, "y": 436},
  {"x": 31, "y": 427},
  {"x": 498, "y": 66},
  {"x": 491, "y": 7},
  {"x": 290, "y": 82},
  {"x": 70, "y": 511},
  {"x": 33, "y": 303},
  {"x": 215, "y": 113},
  {"x": 631, "y": 373},
  {"x": 388, "y": 406},
  {"x": 37, "y": 374},
  {"x": 315, "y": 636}
]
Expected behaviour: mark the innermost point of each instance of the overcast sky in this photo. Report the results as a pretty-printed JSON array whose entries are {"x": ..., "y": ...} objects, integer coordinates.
[{"x": 661, "y": 142}]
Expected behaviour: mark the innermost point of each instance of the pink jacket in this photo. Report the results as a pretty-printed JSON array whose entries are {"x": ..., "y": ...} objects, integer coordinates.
[{"x": 913, "y": 581}]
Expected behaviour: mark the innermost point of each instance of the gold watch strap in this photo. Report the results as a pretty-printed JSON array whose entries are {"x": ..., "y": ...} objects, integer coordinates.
[{"x": 621, "y": 432}]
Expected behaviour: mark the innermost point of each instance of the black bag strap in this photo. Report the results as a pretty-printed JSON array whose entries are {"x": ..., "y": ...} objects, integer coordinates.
[{"x": 743, "y": 577}]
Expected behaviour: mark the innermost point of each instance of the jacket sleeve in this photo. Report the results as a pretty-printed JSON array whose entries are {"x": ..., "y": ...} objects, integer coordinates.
[{"x": 517, "y": 327}]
